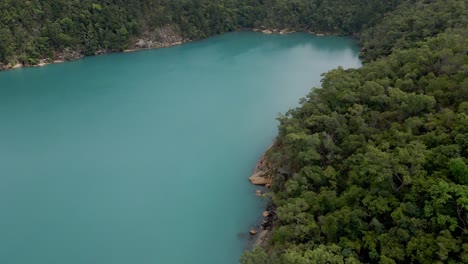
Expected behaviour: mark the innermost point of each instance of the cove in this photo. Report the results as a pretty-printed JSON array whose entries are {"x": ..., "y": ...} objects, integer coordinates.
[{"x": 144, "y": 157}]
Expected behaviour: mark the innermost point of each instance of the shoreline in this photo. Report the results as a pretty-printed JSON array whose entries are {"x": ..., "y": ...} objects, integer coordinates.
[
  {"x": 261, "y": 176},
  {"x": 48, "y": 61},
  {"x": 168, "y": 45}
]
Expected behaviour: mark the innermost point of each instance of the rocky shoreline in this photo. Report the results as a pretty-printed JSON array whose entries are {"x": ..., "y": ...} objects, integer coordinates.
[
  {"x": 163, "y": 37},
  {"x": 262, "y": 176},
  {"x": 159, "y": 38},
  {"x": 289, "y": 31}
]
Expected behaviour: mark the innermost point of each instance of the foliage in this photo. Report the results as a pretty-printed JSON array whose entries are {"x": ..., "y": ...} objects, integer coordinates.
[
  {"x": 372, "y": 168},
  {"x": 33, "y": 30},
  {"x": 410, "y": 22}
]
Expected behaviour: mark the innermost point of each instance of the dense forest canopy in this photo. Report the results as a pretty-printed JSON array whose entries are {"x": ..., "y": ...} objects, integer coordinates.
[
  {"x": 412, "y": 22},
  {"x": 33, "y": 30},
  {"x": 373, "y": 166}
]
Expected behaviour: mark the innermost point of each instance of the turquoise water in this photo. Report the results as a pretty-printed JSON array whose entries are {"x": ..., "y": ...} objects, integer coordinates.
[{"x": 144, "y": 157}]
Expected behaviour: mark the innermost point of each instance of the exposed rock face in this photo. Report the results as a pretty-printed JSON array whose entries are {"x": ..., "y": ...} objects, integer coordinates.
[
  {"x": 102, "y": 51},
  {"x": 10, "y": 66},
  {"x": 258, "y": 178},
  {"x": 69, "y": 55},
  {"x": 43, "y": 62},
  {"x": 160, "y": 37},
  {"x": 166, "y": 36},
  {"x": 262, "y": 172},
  {"x": 262, "y": 175},
  {"x": 143, "y": 44},
  {"x": 274, "y": 31}
]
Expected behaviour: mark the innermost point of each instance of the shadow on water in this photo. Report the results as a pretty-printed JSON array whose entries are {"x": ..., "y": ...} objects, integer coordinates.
[{"x": 246, "y": 42}]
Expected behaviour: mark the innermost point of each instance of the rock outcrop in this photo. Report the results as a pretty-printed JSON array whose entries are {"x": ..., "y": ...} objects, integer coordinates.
[
  {"x": 159, "y": 38},
  {"x": 262, "y": 172},
  {"x": 69, "y": 55},
  {"x": 253, "y": 232},
  {"x": 258, "y": 178},
  {"x": 262, "y": 175},
  {"x": 274, "y": 31}
]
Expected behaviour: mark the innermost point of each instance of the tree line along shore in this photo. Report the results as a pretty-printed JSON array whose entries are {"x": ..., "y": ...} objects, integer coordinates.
[
  {"x": 371, "y": 167},
  {"x": 38, "y": 32}
]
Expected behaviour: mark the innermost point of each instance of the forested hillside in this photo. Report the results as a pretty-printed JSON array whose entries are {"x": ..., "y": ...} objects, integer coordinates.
[
  {"x": 37, "y": 29},
  {"x": 373, "y": 167}
]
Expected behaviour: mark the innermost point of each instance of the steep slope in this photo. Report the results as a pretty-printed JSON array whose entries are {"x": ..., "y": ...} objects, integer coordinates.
[
  {"x": 372, "y": 167},
  {"x": 36, "y": 31}
]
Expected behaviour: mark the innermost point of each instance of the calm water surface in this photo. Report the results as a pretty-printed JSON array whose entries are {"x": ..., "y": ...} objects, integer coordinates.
[{"x": 144, "y": 157}]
